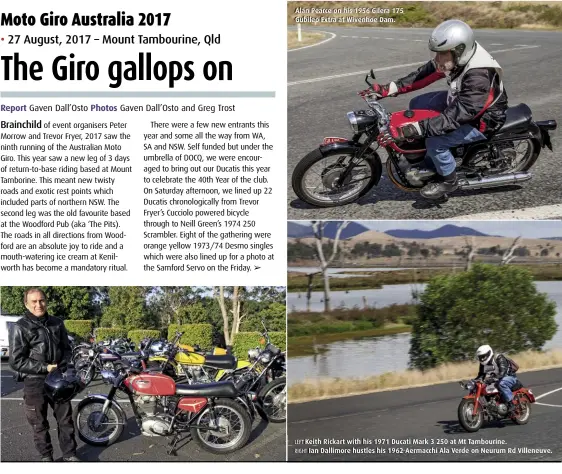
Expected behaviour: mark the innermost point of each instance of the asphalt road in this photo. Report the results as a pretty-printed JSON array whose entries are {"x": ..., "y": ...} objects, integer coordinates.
[
  {"x": 428, "y": 413},
  {"x": 267, "y": 442},
  {"x": 323, "y": 82}
]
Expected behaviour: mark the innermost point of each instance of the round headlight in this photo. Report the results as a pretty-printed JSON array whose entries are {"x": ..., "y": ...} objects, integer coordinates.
[
  {"x": 265, "y": 357},
  {"x": 253, "y": 354},
  {"x": 353, "y": 121},
  {"x": 470, "y": 386}
]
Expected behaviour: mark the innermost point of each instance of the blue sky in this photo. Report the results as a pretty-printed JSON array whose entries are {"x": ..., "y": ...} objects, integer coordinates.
[{"x": 528, "y": 229}]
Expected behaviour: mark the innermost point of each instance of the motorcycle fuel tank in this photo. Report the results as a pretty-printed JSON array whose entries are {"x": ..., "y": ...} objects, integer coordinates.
[
  {"x": 190, "y": 358},
  {"x": 404, "y": 117},
  {"x": 153, "y": 384}
]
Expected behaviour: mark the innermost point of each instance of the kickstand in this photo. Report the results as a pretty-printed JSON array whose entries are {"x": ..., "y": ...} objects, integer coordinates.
[{"x": 172, "y": 446}]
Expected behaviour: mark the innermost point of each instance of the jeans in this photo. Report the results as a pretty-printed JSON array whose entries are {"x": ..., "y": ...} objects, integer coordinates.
[
  {"x": 505, "y": 385},
  {"x": 36, "y": 405},
  {"x": 438, "y": 146}
]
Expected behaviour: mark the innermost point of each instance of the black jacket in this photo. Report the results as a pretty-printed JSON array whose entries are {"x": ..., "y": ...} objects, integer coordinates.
[
  {"x": 38, "y": 342},
  {"x": 504, "y": 368},
  {"x": 480, "y": 86}
]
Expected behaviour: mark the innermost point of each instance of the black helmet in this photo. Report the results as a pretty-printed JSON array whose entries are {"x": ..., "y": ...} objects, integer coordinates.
[{"x": 62, "y": 386}]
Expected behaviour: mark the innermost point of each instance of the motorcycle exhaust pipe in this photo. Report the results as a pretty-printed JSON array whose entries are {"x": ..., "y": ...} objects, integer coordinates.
[{"x": 494, "y": 181}]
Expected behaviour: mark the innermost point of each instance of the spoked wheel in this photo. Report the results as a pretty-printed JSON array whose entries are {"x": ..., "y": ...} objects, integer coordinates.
[
  {"x": 229, "y": 431},
  {"x": 317, "y": 179},
  {"x": 94, "y": 427},
  {"x": 87, "y": 372},
  {"x": 274, "y": 400},
  {"x": 522, "y": 412},
  {"x": 467, "y": 419},
  {"x": 523, "y": 155}
]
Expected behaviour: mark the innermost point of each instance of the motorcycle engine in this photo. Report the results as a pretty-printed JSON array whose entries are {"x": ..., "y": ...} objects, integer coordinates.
[
  {"x": 153, "y": 423},
  {"x": 502, "y": 409},
  {"x": 146, "y": 404},
  {"x": 198, "y": 375}
]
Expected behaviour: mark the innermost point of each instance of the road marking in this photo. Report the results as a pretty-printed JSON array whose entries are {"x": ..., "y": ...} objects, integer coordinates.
[
  {"x": 548, "y": 405},
  {"x": 365, "y": 37},
  {"x": 316, "y": 44},
  {"x": 553, "y": 211},
  {"x": 497, "y": 44},
  {"x": 398, "y": 66},
  {"x": 422, "y": 41},
  {"x": 548, "y": 393}
]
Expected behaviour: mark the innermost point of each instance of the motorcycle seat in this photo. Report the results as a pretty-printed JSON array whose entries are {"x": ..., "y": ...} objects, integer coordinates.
[
  {"x": 517, "y": 118},
  {"x": 221, "y": 361},
  {"x": 218, "y": 389}
]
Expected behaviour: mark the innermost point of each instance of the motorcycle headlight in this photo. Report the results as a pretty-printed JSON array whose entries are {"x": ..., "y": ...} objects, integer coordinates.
[
  {"x": 353, "y": 121},
  {"x": 265, "y": 358},
  {"x": 470, "y": 386},
  {"x": 91, "y": 353},
  {"x": 253, "y": 354}
]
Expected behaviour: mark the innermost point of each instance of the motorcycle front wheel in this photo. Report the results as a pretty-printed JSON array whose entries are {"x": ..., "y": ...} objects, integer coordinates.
[
  {"x": 315, "y": 178},
  {"x": 231, "y": 432},
  {"x": 467, "y": 420},
  {"x": 97, "y": 429}
]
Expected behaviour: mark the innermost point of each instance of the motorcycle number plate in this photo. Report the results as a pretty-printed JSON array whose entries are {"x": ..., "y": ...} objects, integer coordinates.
[{"x": 329, "y": 140}]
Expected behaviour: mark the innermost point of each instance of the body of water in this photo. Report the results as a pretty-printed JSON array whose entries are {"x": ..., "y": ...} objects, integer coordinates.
[{"x": 377, "y": 355}]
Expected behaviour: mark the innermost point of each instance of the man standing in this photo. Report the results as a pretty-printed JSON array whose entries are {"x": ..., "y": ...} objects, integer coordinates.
[{"x": 38, "y": 344}]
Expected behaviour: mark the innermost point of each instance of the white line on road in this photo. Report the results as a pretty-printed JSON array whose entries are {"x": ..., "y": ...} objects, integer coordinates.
[
  {"x": 497, "y": 44},
  {"x": 548, "y": 393},
  {"x": 548, "y": 405},
  {"x": 316, "y": 44},
  {"x": 356, "y": 73},
  {"x": 422, "y": 41},
  {"x": 553, "y": 211}
]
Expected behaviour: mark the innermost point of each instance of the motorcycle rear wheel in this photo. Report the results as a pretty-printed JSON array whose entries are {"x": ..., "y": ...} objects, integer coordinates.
[
  {"x": 202, "y": 438},
  {"x": 313, "y": 158},
  {"x": 465, "y": 414},
  {"x": 267, "y": 396},
  {"x": 524, "y": 419}
]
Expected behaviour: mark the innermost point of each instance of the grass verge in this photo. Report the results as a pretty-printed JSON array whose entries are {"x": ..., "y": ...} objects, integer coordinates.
[
  {"x": 339, "y": 387},
  {"x": 307, "y": 39},
  {"x": 376, "y": 280}
]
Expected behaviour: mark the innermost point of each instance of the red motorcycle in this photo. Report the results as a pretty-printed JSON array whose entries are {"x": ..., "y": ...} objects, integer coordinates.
[
  {"x": 484, "y": 403},
  {"x": 342, "y": 170},
  {"x": 213, "y": 413}
]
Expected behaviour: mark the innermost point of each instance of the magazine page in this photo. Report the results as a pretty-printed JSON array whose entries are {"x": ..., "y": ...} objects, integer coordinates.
[{"x": 288, "y": 232}]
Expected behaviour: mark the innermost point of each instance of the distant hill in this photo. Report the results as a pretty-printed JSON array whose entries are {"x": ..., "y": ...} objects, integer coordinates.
[
  {"x": 295, "y": 230},
  {"x": 448, "y": 230},
  {"x": 298, "y": 230},
  {"x": 551, "y": 238}
]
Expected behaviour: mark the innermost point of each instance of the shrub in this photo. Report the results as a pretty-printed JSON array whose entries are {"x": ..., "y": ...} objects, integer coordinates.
[
  {"x": 101, "y": 334},
  {"x": 79, "y": 329},
  {"x": 244, "y": 341},
  {"x": 138, "y": 335},
  {"x": 200, "y": 334}
]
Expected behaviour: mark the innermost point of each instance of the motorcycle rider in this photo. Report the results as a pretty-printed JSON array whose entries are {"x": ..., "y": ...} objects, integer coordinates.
[
  {"x": 502, "y": 368},
  {"x": 475, "y": 103},
  {"x": 38, "y": 345}
]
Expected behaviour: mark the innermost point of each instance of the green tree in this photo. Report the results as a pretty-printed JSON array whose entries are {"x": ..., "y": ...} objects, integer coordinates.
[
  {"x": 496, "y": 305},
  {"x": 65, "y": 302},
  {"x": 127, "y": 308}
]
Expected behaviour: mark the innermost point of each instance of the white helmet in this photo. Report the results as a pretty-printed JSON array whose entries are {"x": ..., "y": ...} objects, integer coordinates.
[
  {"x": 455, "y": 36},
  {"x": 484, "y": 354}
]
